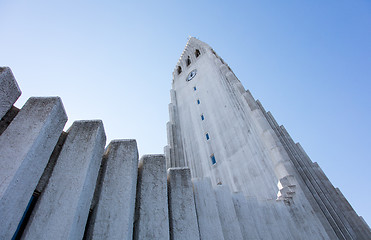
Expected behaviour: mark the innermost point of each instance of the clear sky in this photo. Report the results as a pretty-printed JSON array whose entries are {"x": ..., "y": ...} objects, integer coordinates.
[{"x": 308, "y": 62}]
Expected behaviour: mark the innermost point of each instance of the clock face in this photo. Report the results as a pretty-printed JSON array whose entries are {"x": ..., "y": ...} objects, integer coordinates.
[{"x": 191, "y": 75}]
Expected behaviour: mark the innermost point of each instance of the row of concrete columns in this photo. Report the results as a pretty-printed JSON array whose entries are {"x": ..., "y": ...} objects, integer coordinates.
[
  {"x": 118, "y": 192},
  {"x": 346, "y": 224},
  {"x": 85, "y": 191}
]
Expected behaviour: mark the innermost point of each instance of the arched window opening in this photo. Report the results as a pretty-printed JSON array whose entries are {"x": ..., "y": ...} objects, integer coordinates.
[
  {"x": 188, "y": 61},
  {"x": 197, "y": 53},
  {"x": 179, "y": 69}
]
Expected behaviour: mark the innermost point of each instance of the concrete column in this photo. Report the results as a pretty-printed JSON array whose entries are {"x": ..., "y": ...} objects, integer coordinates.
[
  {"x": 8, "y": 118},
  {"x": 63, "y": 207},
  {"x": 25, "y": 148},
  {"x": 250, "y": 100},
  {"x": 113, "y": 215},
  {"x": 151, "y": 214},
  {"x": 256, "y": 211},
  {"x": 182, "y": 211},
  {"x": 167, "y": 156},
  {"x": 245, "y": 217},
  {"x": 9, "y": 90},
  {"x": 207, "y": 211},
  {"x": 304, "y": 182},
  {"x": 227, "y": 214}
]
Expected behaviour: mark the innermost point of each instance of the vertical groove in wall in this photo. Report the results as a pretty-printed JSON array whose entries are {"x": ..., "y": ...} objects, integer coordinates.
[{"x": 8, "y": 118}]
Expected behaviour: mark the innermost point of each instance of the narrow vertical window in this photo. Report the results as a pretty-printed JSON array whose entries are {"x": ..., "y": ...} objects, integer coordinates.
[
  {"x": 188, "y": 61},
  {"x": 179, "y": 69},
  {"x": 202, "y": 117},
  {"x": 198, "y": 101},
  {"x": 207, "y": 136},
  {"x": 212, "y": 157},
  {"x": 194, "y": 88},
  {"x": 197, "y": 53}
]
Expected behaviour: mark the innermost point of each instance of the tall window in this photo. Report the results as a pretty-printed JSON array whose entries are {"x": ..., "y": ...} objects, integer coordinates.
[
  {"x": 212, "y": 157},
  {"x": 197, "y": 53},
  {"x": 198, "y": 101},
  {"x": 179, "y": 69},
  {"x": 188, "y": 61},
  {"x": 202, "y": 117},
  {"x": 207, "y": 136},
  {"x": 194, "y": 88}
]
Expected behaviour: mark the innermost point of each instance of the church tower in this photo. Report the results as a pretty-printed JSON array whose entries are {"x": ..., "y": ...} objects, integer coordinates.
[{"x": 221, "y": 132}]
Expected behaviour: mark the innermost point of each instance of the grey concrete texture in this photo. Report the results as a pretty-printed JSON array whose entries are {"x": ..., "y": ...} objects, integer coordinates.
[
  {"x": 8, "y": 118},
  {"x": 151, "y": 213},
  {"x": 25, "y": 148},
  {"x": 9, "y": 90},
  {"x": 253, "y": 153},
  {"x": 207, "y": 211},
  {"x": 227, "y": 214},
  {"x": 182, "y": 211},
  {"x": 113, "y": 214},
  {"x": 52, "y": 161},
  {"x": 245, "y": 217},
  {"x": 63, "y": 207}
]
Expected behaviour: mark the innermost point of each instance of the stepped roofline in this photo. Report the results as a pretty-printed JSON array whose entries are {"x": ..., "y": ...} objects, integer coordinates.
[{"x": 192, "y": 45}]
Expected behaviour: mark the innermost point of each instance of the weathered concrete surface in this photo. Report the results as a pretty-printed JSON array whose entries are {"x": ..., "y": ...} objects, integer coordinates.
[
  {"x": 25, "y": 148},
  {"x": 182, "y": 211},
  {"x": 63, "y": 207},
  {"x": 151, "y": 215},
  {"x": 245, "y": 217},
  {"x": 52, "y": 161},
  {"x": 207, "y": 211},
  {"x": 227, "y": 214},
  {"x": 9, "y": 90},
  {"x": 113, "y": 215},
  {"x": 8, "y": 118}
]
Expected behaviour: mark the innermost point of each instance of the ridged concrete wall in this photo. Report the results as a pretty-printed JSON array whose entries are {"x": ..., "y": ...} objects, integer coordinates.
[
  {"x": 68, "y": 185},
  {"x": 227, "y": 136}
]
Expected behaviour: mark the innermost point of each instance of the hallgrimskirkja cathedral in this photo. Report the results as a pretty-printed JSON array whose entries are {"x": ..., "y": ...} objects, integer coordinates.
[{"x": 228, "y": 172}]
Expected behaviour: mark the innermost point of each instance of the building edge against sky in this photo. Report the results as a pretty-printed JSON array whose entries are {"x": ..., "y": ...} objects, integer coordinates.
[
  {"x": 250, "y": 180},
  {"x": 218, "y": 130}
]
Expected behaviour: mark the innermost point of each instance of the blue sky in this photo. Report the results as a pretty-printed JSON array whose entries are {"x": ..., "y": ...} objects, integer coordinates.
[{"x": 308, "y": 62}]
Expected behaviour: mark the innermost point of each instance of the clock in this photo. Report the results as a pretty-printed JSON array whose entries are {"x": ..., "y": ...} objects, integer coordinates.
[{"x": 191, "y": 75}]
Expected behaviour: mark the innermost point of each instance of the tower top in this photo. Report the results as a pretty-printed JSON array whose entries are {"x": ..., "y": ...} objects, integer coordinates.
[{"x": 193, "y": 49}]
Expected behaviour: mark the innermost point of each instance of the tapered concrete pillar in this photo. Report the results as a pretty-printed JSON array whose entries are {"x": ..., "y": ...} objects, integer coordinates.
[
  {"x": 25, "y": 148},
  {"x": 207, "y": 211},
  {"x": 63, "y": 207},
  {"x": 9, "y": 90},
  {"x": 227, "y": 214},
  {"x": 151, "y": 216},
  {"x": 245, "y": 217},
  {"x": 182, "y": 211},
  {"x": 113, "y": 215}
]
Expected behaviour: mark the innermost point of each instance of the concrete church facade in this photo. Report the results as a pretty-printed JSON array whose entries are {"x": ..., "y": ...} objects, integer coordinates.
[
  {"x": 229, "y": 170},
  {"x": 221, "y": 132}
]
